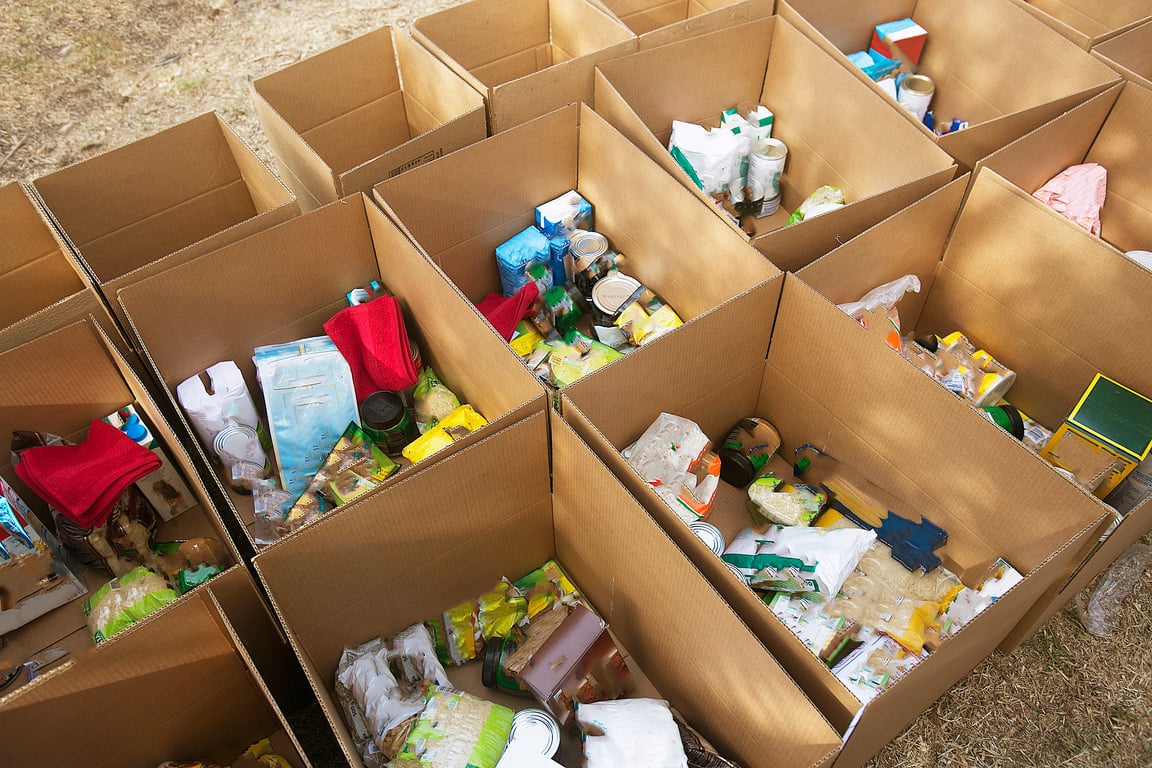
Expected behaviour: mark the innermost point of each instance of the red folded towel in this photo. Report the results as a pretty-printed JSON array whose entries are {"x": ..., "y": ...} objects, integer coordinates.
[
  {"x": 505, "y": 312},
  {"x": 83, "y": 481},
  {"x": 374, "y": 341}
]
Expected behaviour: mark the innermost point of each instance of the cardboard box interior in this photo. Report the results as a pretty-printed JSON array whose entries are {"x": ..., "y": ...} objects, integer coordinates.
[
  {"x": 135, "y": 210},
  {"x": 44, "y": 286},
  {"x": 365, "y": 110},
  {"x": 769, "y": 62},
  {"x": 179, "y": 686},
  {"x": 690, "y": 258},
  {"x": 527, "y": 58},
  {"x": 452, "y": 531},
  {"x": 1130, "y": 54},
  {"x": 1088, "y": 23},
  {"x": 1003, "y": 91},
  {"x": 294, "y": 278},
  {"x": 660, "y": 21},
  {"x": 1110, "y": 129},
  {"x": 59, "y": 384},
  {"x": 993, "y": 277},
  {"x": 867, "y": 408}
]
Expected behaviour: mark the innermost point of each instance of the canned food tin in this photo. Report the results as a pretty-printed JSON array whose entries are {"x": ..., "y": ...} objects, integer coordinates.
[
  {"x": 535, "y": 730},
  {"x": 739, "y": 573},
  {"x": 609, "y": 295},
  {"x": 710, "y": 535},
  {"x": 748, "y": 447},
  {"x": 385, "y": 419},
  {"x": 585, "y": 247}
]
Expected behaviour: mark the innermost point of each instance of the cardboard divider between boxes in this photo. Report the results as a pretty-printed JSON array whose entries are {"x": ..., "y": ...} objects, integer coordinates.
[
  {"x": 1002, "y": 90},
  {"x": 994, "y": 276},
  {"x": 1110, "y": 129},
  {"x": 362, "y": 111},
  {"x": 59, "y": 383},
  {"x": 1130, "y": 54},
  {"x": 45, "y": 288},
  {"x": 286, "y": 282},
  {"x": 1088, "y": 22},
  {"x": 871, "y": 411},
  {"x": 723, "y": 290},
  {"x": 528, "y": 57},
  {"x": 656, "y": 22},
  {"x": 179, "y": 687},
  {"x": 136, "y": 210},
  {"x": 450, "y": 532},
  {"x": 851, "y": 141}
]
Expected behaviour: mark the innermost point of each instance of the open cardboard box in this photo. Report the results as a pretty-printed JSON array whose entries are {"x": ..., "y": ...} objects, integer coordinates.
[
  {"x": 1110, "y": 129},
  {"x": 59, "y": 383},
  {"x": 136, "y": 210},
  {"x": 527, "y": 57},
  {"x": 656, "y": 22},
  {"x": 723, "y": 290},
  {"x": 370, "y": 108},
  {"x": 994, "y": 65},
  {"x": 178, "y": 686},
  {"x": 907, "y": 435},
  {"x": 769, "y": 62},
  {"x": 449, "y": 533},
  {"x": 286, "y": 282},
  {"x": 1130, "y": 54},
  {"x": 1088, "y": 22},
  {"x": 45, "y": 288},
  {"x": 995, "y": 276}
]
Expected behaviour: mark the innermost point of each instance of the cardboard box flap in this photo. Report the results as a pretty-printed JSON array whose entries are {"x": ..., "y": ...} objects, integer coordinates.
[
  {"x": 211, "y": 710},
  {"x": 1033, "y": 251},
  {"x": 697, "y": 18},
  {"x": 886, "y": 402},
  {"x": 584, "y": 28},
  {"x": 909, "y": 242},
  {"x": 478, "y": 33},
  {"x": 36, "y": 270},
  {"x": 1033, "y": 159},
  {"x": 1130, "y": 54},
  {"x": 433, "y": 94},
  {"x": 160, "y": 308},
  {"x": 1095, "y": 19},
  {"x": 412, "y": 199},
  {"x": 676, "y": 656},
  {"x": 422, "y": 527},
  {"x": 1126, "y": 219}
]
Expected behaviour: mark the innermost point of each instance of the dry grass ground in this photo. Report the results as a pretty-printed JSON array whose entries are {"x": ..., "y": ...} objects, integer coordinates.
[{"x": 81, "y": 78}]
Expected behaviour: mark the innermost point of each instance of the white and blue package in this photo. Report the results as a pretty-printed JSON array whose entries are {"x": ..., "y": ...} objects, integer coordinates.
[
  {"x": 563, "y": 215},
  {"x": 310, "y": 398},
  {"x": 515, "y": 254},
  {"x": 559, "y": 246}
]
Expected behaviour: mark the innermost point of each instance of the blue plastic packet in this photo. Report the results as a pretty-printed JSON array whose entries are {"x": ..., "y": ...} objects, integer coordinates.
[
  {"x": 310, "y": 399},
  {"x": 515, "y": 254}
]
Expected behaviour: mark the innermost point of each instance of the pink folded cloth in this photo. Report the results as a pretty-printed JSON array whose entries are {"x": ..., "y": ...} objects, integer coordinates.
[{"x": 1077, "y": 194}]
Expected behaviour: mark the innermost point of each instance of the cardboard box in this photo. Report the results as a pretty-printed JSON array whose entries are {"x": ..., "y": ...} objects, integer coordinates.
[
  {"x": 527, "y": 58},
  {"x": 179, "y": 686},
  {"x": 1088, "y": 23},
  {"x": 1003, "y": 91},
  {"x": 723, "y": 290},
  {"x": 294, "y": 278},
  {"x": 769, "y": 62},
  {"x": 869, "y": 409},
  {"x": 60, "y": 383},
  {"x": 45, "y": 288},
  {"x": 1109, "y": 129},
  {"x": 159, "y": 201},
  {"x": 1130, "y": 54},
  {"x": 992, "y": 273},
  {"x": 366, "y": 110},
  {"x": 657, "y": 22},
  {"x": 450, "y": 532}
]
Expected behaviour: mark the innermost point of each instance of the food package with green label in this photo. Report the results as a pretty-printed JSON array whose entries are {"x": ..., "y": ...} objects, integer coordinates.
[
  {"x": 455, "y": 730},
  {"x": 126, "y": 600}
]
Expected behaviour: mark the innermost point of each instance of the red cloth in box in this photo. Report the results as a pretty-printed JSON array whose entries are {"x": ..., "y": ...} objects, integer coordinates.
[
  {"x": 374, "y": 341},
  {"x": 505, "y": 313}
]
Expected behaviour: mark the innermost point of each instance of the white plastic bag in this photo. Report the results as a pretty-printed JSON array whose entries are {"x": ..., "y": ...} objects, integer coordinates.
[
  {"x": 637, "y": 733},
  {"x": 883, "y": 296}
]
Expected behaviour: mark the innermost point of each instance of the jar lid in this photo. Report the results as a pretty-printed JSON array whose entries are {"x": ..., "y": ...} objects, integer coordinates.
[
  {"x": 535, "y": 731},
  {"x": 610, "y": 292},
  {"x": 382, "y": 410}
]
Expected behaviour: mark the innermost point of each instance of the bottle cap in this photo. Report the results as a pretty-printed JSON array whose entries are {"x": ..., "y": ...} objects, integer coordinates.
[{"x": 134, "y": 428}]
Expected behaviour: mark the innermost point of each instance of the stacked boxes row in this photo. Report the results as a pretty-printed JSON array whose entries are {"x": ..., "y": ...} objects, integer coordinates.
[{"x": 382, "y": 142}]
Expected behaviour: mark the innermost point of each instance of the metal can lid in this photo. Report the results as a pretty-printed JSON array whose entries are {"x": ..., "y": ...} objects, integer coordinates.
[
  {"x": 535, "y": 730},
  {"x": 587, "y": 245},
  {"x": 739, "y": 573},
  {"x": 610, "y": 292},
  {"x": 234, "y": 440},
  {"x": 709, "y": 534},
  {"x": 921, "y": 84}
]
